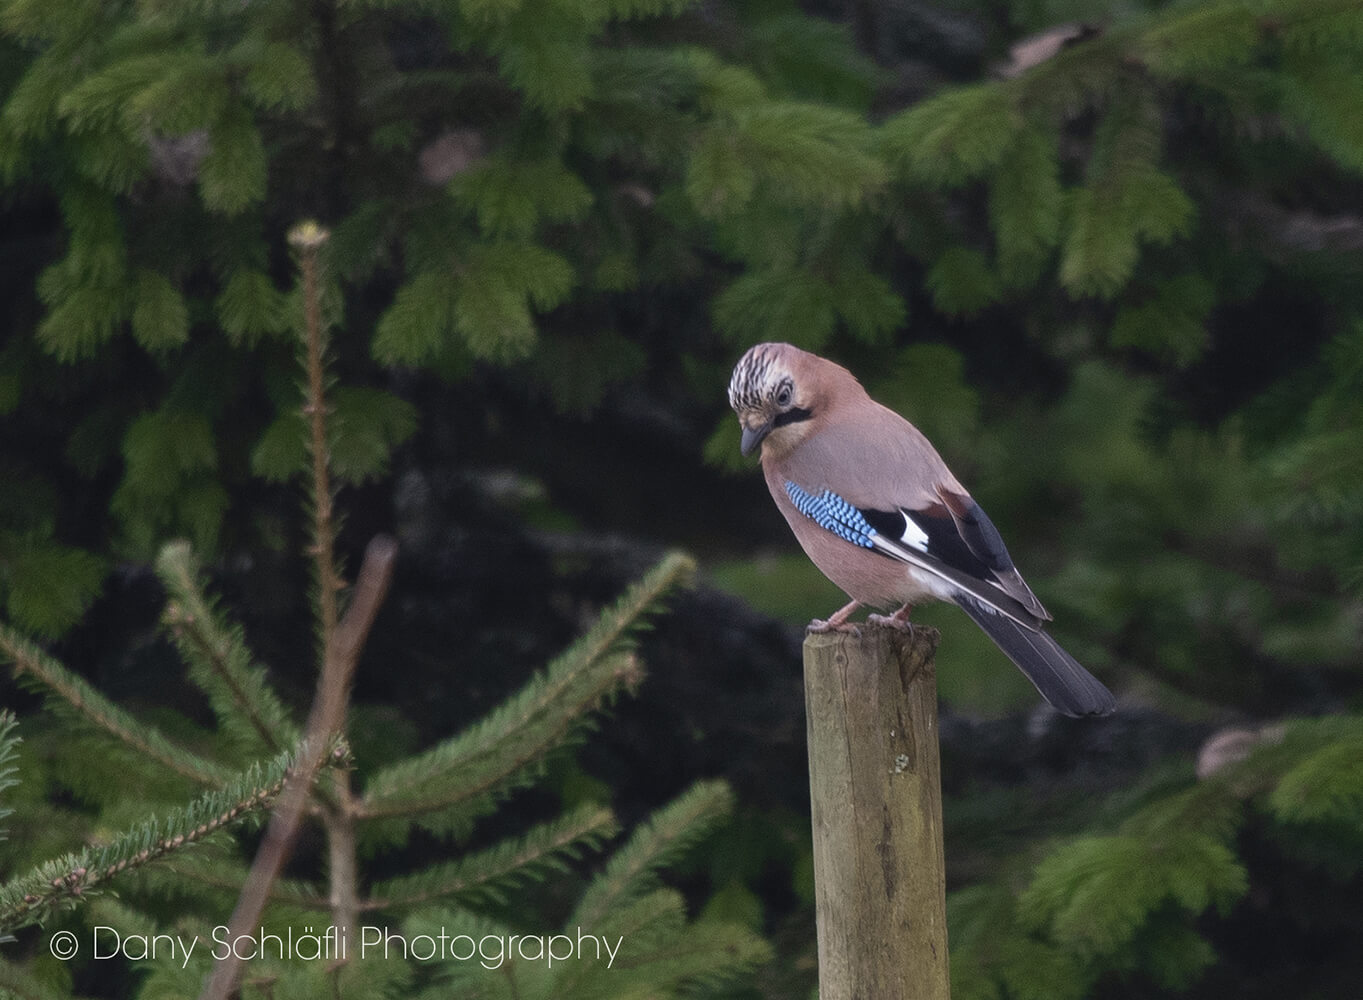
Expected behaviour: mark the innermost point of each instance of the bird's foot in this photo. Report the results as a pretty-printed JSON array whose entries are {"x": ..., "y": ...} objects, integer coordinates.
[
  {"x": 899, "y": 620},
  {"x": 820, "y": 626},
  {"x": 837, "y": 621}
]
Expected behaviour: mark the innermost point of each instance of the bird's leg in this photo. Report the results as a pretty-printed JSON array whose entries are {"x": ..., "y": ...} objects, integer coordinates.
[
  {"x": 837, "y": 621},
  {"x": 900, "y": 619}
]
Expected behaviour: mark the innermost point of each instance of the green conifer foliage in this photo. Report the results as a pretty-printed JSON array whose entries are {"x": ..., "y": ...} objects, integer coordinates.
[
  {"x": 1130, "y": 196},
  {"x": 1096, "y": 203},
  {"x": 1044, "y": 263},
  {"x": 173, "y": 861},
  {"x": 506, "y": 162},
  {"x": 1125, "y": 901}
]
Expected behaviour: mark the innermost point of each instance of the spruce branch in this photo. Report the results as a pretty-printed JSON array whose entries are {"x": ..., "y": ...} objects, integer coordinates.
[
  {"x": 449, "y": 786},
  {"x": 1325, "y": 781},
  {"x": 309, "y": 238},
  {"x": 9, "y": 746},
  {"x": 219, "y": 661},
  {"x": 488, "y": 873},
  {"x": 9, "y": 743},
  {"x": 17, "y": 984},
  {"x": 341, "y": 641},
  {"x": 645, "y": 922},
  {"x": 30, "y": 898},
  {"x": 1126, "y": 201},
  {"x": 660, "y": 951},
  {"x": 326, "y": 718},
  {"x": 97, "y": 710},
  {"x": 493, "y": 755},
  {"x": 668, "y": 834},
  {"x": 1094, "y": 894},
  {"x": 223, "y": 874},
  {"x": 706, "y": 955},
  {"x": 954, "y": 136}
]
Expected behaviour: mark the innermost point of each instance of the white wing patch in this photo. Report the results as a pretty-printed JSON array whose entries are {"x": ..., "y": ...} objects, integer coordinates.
[{"x": 913, "y": 535}]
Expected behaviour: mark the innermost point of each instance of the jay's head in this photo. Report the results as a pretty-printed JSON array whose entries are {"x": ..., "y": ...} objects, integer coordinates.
[{"x": 778, "y": 391}]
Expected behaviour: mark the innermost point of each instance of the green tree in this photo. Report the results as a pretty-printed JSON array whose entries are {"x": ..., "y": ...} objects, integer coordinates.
[
  {"x": 1140, "y": 340},
  {"x": 480, "y": 164},
  {"x": 1111, "y": 268},
  {"x": 138, "y": 774}
]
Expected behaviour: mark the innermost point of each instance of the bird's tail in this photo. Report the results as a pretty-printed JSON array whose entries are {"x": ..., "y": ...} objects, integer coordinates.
[{"x": 1056, "y": 674}]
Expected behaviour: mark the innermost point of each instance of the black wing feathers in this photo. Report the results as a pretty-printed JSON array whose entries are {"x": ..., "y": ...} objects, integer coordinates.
[
  {"x": 944, "y": 542},
  {"x": 960, "y": 536},
  {"x": 980, "y": 536},
  {"x": 985, "y": 543},
  {"x": 887, "y": 522}
]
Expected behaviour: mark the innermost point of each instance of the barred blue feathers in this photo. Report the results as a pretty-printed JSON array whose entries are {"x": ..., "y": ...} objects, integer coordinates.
[{"x": 832, "y": 513}]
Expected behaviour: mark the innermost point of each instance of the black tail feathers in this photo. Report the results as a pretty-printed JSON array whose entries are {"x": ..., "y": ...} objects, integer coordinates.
[{"x": 1056, "y": 674}]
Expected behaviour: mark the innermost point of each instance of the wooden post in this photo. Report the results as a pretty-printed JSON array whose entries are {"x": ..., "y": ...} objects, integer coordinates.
[{"x": 875, "y": 787}]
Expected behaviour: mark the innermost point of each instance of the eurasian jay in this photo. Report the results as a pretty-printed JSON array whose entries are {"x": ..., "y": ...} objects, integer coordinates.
[{"x": 877, "y": 510}]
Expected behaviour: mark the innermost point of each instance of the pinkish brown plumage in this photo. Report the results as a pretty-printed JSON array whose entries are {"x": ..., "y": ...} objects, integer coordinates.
[{"x": 917, "y": 535}]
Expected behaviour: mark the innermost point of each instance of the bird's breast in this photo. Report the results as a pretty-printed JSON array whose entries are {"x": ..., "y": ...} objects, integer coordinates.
[{"x": 863, "y": 574}]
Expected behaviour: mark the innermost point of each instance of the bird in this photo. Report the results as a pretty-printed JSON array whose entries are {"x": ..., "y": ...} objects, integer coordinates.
[{"x": 876, "y": 509}]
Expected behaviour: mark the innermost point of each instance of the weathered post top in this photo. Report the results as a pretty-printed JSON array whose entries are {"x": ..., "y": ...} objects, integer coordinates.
[{"x": 876, "y": 797}]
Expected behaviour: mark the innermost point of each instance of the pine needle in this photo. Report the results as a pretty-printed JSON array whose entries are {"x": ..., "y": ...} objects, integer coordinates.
[
  {"x": 66, "y": 881},
  {"x": 219, "y": 661},
  {"x": 472, "y": 769},
  {"x": 668, "y": 834},
  {"x": 488, "y": 874},
  {"x": 68, "y": 689}
]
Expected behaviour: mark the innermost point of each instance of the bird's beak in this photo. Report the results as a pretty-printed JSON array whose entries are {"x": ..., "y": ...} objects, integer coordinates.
[{"x": 752, "y": 438}]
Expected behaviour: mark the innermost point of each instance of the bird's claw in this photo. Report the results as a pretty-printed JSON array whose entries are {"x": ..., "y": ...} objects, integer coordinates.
[
  {"x": 891, "y": 621},
  {"x": 821, "y": 627}
]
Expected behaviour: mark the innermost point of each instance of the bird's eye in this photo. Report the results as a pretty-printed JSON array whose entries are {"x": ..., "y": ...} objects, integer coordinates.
[{"x": 783, "y": 396}]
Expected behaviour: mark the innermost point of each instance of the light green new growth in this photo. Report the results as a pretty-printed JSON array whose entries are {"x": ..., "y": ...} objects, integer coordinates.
[
  {"x": 51, "y": 585},
  {"x": 497, "y": 289},
  {"x": 510, "y": 196},
  {"x": 365, "y": 426},
  {"x": 249, "y": 307},
  {"x": 485, "y": 296},
  {"x": 1026, "y": 204},
  {"x": 1324, "y": 782},
  {"x": 1127, "y": 200},
  {"x": 1094, "y": 894},
  {"x": 232, "y": 175},
  {"x": 954, "y": 136},
  {"x": 793, "y": 153},
  {"x": 160, "y": 319}
]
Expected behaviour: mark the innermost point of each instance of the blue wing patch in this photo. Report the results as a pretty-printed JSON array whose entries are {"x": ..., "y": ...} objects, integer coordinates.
[{"x": 832, "y": 513}]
